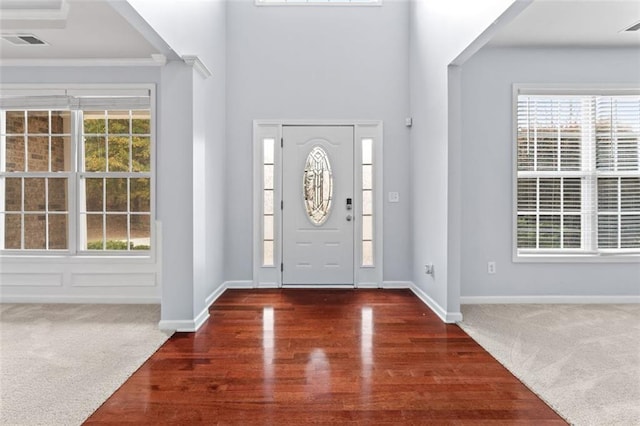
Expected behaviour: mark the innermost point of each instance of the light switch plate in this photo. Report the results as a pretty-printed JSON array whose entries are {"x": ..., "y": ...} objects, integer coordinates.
[{"x": 394, "y": 197}]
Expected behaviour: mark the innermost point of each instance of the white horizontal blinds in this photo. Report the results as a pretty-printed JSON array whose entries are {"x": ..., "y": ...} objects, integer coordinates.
[
  {"x": 76, "y": 99},
  {"x": 550, "y": 171},
  {"x": 618, "y": 171}
]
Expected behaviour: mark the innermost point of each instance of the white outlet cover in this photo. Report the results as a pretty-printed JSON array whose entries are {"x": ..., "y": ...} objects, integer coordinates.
[{"x": 394, "y": 197}]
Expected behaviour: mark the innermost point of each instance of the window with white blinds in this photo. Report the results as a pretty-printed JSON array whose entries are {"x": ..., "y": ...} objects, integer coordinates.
[{"x": 578, "y": 174}]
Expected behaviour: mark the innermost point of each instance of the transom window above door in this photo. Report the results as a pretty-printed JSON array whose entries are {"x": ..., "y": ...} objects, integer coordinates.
[{"x": 319, "y": 2}]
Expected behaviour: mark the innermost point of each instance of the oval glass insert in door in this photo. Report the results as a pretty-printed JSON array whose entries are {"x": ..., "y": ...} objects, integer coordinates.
[{"x": 317, "y": 186}]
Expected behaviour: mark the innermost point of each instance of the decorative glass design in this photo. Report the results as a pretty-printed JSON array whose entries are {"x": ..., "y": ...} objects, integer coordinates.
[{"x": 317, "y": 186}]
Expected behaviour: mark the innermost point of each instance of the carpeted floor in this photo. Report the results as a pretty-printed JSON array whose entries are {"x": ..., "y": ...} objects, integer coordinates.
[
  {"x": 583, "y": 360},
  {"x": 59, "y": 363}
]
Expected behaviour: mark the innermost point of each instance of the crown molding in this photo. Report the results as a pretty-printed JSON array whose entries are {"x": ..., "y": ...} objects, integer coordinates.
[
  {"x": 197, "y": 64},
  {"x": 153, "y": 61}
]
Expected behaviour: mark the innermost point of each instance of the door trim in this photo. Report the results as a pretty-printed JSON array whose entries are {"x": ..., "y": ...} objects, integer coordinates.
[{"x": 270, "y": 276}]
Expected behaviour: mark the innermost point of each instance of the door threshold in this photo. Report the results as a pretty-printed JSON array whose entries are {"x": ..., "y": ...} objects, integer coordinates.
[{"x": 320, "y": 286}]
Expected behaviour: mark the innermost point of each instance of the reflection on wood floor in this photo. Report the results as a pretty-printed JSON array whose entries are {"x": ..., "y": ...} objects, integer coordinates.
[{"x": 289, "y": 357}]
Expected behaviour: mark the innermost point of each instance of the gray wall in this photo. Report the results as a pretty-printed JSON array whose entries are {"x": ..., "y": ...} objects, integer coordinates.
[
  {"x": 317, "y": 63},
  {"x": 487, "y": 80}
]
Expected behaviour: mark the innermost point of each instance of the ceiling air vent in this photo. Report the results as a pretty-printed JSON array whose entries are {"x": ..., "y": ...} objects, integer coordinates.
[
  {"x": 634, "y": 27},
  {"x": 23, "y": 39}
]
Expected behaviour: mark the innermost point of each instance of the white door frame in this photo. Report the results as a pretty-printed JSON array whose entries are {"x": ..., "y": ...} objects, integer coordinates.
[{"x": 269, "y": 133}]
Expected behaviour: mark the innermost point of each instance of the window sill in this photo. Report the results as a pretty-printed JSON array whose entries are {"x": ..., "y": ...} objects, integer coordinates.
[
  {"x": 576, "y": 258},
  {"x": 107, "y": 258}
]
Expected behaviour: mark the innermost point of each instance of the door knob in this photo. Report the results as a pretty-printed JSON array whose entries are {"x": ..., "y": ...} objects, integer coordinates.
[{"x": 349, "y": 217}]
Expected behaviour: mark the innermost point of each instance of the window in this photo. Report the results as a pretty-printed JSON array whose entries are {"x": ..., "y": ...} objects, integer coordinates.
[
  {"x": 578, "y": 174},
  {"x": 318, "y": 2},
  {"x": 268, "y": 187},
  {"x": 75, "y": 173},
  {"x": 367, "y": 202}
]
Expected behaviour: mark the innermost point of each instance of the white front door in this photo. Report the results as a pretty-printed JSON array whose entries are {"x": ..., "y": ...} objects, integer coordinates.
[{"x": 318, "y": 215}]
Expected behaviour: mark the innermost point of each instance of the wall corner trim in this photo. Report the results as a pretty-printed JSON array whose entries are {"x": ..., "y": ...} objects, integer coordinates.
[
  {"x": 197, "y": 64},
  {"x": 447, "y": 317}
]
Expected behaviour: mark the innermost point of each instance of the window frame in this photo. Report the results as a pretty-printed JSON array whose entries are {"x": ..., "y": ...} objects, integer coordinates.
[
  {"x": 73, "y": 252},
  {"x": 564, "y": 255},
  {"x": 324, "y": 3}
]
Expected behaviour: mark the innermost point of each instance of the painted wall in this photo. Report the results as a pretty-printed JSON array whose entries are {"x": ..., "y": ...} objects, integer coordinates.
[
  {"x": 195, "y": 27},
  {"x": 487, "y": 171},
  {"x": 317, "y": 63},
  {"x": 439, "y": 31}
]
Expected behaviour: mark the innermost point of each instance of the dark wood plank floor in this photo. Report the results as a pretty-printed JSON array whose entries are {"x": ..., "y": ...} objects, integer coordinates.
[{"x": 289, "y": 357}]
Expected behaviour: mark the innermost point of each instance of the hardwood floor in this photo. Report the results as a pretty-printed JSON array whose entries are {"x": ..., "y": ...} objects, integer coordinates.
[{"x": 289, "y": 357}]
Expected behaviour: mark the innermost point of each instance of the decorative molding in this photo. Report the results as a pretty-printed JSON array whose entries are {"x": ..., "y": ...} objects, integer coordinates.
[
  {"x": 602, "y": 299},
  {"x": 198, "y": 65},
  {"x": 154, "y": 61},
  {"x": 106, "y": 279},
  {"x": 31, "y": 279},
  {"x": 447, "y": 317}
]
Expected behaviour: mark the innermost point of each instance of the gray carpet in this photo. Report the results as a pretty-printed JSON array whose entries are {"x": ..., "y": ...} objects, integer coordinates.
[
  {"x": 583, "y": 360},
  {"x": 59, "y": 363}
]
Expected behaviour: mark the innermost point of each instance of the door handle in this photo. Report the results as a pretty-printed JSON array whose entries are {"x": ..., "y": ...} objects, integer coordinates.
[{"x": 349, "y": 218}]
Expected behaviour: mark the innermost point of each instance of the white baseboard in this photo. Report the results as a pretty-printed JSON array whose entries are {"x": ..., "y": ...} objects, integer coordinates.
[
  {"x": 215, "y": 294},
  {"x": 492, "y": 300},
  {"x": 447, "y": 317},
  {"x": 92, "y": 300},
  {"x": 397, "y": 284},
  {"x": 368, "y": 285},
  {"x": 267, "y": 285},
  {"x": 177, "y": 325},
  {"x": 238, "y": 284}
]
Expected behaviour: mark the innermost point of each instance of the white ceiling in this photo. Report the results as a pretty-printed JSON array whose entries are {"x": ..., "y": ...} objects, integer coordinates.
[
  {"x": 72, "y": 29},
  {"x": 92, "y": 29},
  {"x": 573, "y": 23}
]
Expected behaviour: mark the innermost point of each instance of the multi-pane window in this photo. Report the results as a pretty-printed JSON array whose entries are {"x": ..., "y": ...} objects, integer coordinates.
[
  {"x": 268, "y": 187},
  {"x": 36, "y": 160},
  {"x": 578, "y": 175},
  {"x": 367, "y": 202},
  {"x": 115, "y": 209},
  {"x": 76, "y": 179}
]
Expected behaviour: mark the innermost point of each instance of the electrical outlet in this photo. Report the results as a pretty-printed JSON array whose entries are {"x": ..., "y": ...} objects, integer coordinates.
[
  {"x": 428, "y": 269},
  {"x": 491, "y": 267}
]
